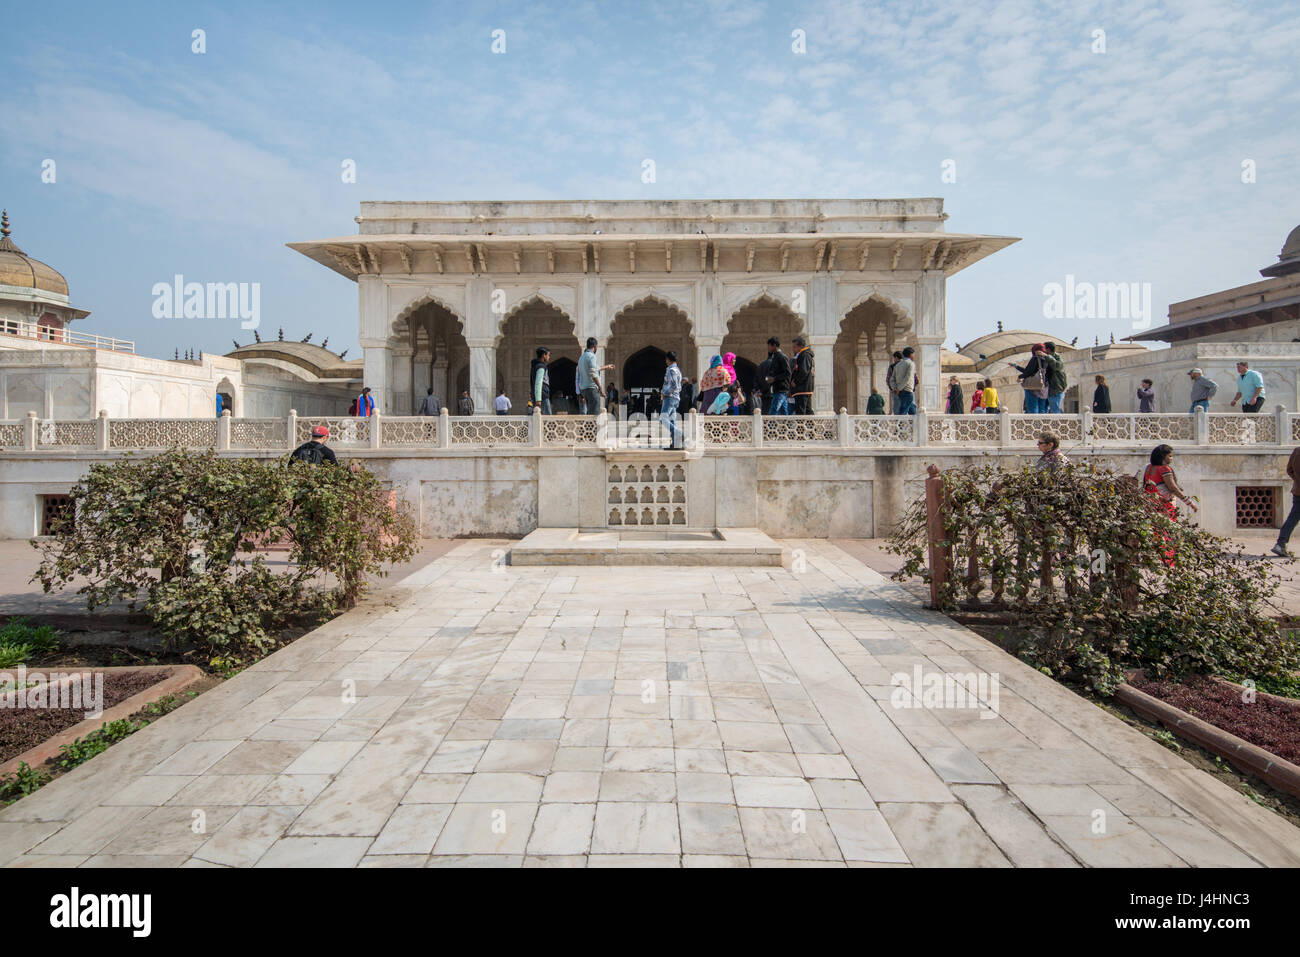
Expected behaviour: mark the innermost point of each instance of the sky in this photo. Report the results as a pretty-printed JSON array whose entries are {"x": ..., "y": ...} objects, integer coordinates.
[{"x": 1167, "y": 157}]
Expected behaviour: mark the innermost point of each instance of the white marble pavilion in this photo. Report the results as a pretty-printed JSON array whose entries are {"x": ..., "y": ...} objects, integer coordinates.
[{"x": 459, "y": 295}]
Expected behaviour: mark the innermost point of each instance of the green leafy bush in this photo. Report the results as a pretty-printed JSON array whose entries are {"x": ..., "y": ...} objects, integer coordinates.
[
  {"x": 22, "y": 782},
  {"x": 1097, "y": 579},
  {"x": 21, "y": 641},
  {"x": 98, "y": 741},
  {"x": 177, "y": 534}
]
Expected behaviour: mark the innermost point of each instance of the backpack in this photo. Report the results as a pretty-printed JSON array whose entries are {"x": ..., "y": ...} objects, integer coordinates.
[{"x": 309, "y": 453}]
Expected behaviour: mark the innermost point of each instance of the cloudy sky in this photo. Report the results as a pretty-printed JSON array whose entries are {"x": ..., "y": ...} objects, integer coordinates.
[{"x": 1116, "y": 166}]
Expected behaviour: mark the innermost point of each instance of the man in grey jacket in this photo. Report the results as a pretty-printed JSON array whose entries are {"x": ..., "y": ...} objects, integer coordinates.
[
  {"x": 903, "y": 381},
  {"x": 1203, "y": 390},
  {"x": 430, "y": 404}
]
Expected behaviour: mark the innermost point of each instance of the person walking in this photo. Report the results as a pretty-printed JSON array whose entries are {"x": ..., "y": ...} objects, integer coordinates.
[
  {"x": 1293, "y": 516},
  {"x": 1057, "y": 382},
  {"x": 990, "y": 398},
  {"x": 801, "y": 381},
  {"x": 1033, "y": 377},
  {"x": 672, "y": 393},
  {"x": 315, "y": 451},
  {"x": 430, "y": 404},
  {"x": 956, "y": 400},
  {"x": 1250, "y": 388},
  {"x": 904, "y": 381},
  {"x": 589, "y": 386},
  {"x": 889, "y": 383},
  {"x": 875, "y": 403},
  {"x": 464, "y": 405},
  {"x": 1159, "y": 482},
  {"x": 1052, "y": 458},
  {"x": 977, "y": 398},
  {"x": 501, "y": 403},
  {"x": 1146, "y": 393},
  {"x": 611, "y": 399},
  {"x": 365, "y": 403},
  {"x": 1101, "y": 396},
  {"x": 778, "y": 377},
  {"x": 1203, "y": 390},
  {"x": 539, "y": 380}
]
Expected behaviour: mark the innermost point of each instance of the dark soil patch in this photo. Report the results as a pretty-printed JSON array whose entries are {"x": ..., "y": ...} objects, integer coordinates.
[
  {"x": 24, "y": 728},
  {"x": 1267, "y": 722}
]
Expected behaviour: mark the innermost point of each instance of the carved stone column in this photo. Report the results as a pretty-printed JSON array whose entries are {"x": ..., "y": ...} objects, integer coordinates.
[
  {"x": 929, "y": 368},
  {"x": 482, "y": 374},
  {"x": 402, "y": 376},
  {"x": 439, "y": 382},
  {"x": 823, "y": 348}
]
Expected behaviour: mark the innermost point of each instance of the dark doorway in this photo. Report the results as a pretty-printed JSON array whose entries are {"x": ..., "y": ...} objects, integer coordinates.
[
  {"x": 643, "y": 377},
  {"x": 227, "y": 402},
  {"x": 564, "y": 380}
]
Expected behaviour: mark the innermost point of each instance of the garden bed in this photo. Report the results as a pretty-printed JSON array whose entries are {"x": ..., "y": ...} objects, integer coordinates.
[
  {"x": 32, "y": 736},
  {"x": 1262, "y": 736}
]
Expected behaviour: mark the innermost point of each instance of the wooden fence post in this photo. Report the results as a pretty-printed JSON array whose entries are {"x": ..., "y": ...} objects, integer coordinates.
[{"x": 940, "y": 555}]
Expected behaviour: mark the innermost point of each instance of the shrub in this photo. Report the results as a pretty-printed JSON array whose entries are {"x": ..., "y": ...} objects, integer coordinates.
[
  {"x": 20, "y": 641},
  {"x": 1096, "y": 578},
  {"x": 177, "y": 534},
  {"x": 22, "y": 782},
  {"x": 98, "y": 741}
]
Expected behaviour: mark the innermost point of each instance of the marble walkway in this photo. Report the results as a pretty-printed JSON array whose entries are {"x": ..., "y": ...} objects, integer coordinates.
[{"x": 484, "y": 715}]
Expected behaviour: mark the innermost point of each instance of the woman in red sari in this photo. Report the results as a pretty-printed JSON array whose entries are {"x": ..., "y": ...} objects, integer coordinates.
[{"x": 1159, "y": 482}]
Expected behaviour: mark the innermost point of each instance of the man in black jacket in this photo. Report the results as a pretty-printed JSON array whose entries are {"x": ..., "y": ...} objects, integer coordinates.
[
  {"x": 539, "y": 381},
  {"x": 777, "y": 377},
  {"x": 801, "y": 381},
  {"x": 316, "y": 451}
]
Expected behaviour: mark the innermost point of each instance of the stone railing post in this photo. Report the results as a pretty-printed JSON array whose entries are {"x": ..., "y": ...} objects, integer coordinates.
[
  {"x": 29, "y": 432},
  {"x": 444, "y": 429},
  {"x": 691, "y": 429},
  {"x": 1004, "y": 429},
  {"x": 846, "y": 429},
  {"x": 921, "y": 426},
  {"x": 1202, "y": 426},
  {"x": 758, "y": 429},
  {"x": 534, "y": 427},
  {"x": 1283, "y": 425},
  {"x": 376, "y": 431},
  {"x": 1085, "y": 427},
  {"x": 291, "y": 427},
  {"x": 101, "y": 431},
  {"x": 940, "y": 556},
  {"x": 223, "y": 431}
]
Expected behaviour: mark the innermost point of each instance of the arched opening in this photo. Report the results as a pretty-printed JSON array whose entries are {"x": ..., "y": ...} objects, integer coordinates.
[
  {"x": 564, "y": 379},
  {"x": 226, "y": 398},
  {"x": 643, "y": 375},
  {"x": 439, "y": 351},
  {"x": 462, "y": 385},
  {"x": 869, "y": 333},
  {"x": 655, "y": 325},
  {"x": 532, "y": 324},
  {"x": 748, "y": 331}
]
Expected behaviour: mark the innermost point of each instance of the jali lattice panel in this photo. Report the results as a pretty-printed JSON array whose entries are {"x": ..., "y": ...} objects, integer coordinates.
[{"x": 646, "y": 494}]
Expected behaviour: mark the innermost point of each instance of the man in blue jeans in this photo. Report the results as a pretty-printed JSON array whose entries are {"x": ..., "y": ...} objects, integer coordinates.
[
  {"x": 903, "y": 382},
  {"x": 1293, "y": 517},
  {"x": 672, "y": 393},
  {"x": 1203, "y": 390},
  {"x": 777, "y": 377}
]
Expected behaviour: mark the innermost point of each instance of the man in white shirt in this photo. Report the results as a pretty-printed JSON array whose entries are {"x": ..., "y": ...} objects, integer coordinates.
[{"x": 502, "y": 404}]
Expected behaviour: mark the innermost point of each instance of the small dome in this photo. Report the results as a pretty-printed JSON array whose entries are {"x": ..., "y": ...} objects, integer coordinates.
[
  {"x": 19, "y": 269},
  {"x": 1291, "y": 247}
]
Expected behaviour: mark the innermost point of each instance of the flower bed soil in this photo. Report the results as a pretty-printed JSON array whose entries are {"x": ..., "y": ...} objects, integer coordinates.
[
  {"x": 1269, "y": 722},
  {"x": 23, "y": 728}
]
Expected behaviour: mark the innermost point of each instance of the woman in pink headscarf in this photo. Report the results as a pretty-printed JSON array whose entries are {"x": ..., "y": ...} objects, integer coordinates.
[{"x": 729, "y": 363}]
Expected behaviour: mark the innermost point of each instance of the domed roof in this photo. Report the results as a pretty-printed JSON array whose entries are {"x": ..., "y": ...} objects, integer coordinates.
[
  {"x": 19, "y": 269},
  {"x": 1292, "y": 245},
  {"x": 317, "y": 360}
]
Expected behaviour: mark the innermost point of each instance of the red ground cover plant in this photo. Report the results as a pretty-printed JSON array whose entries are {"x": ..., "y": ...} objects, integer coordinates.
[{"x": 1267, "y": 722}]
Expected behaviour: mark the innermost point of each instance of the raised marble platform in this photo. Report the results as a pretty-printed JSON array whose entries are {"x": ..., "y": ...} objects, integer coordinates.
[{"x": 647, "y": 546}]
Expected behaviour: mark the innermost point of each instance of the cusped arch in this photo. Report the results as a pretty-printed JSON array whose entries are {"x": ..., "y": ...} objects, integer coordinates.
[
  {"x": 654, "y": 299},
  {"x": 421, "y": 301},
  {"x": 893, "y": 305},
  {"x": 766, "y": 298},
  {"x": 769, "y": 295}
]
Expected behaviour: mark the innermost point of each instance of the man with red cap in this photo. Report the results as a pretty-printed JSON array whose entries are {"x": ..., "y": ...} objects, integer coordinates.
[{"x": 316, "y": 451}]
